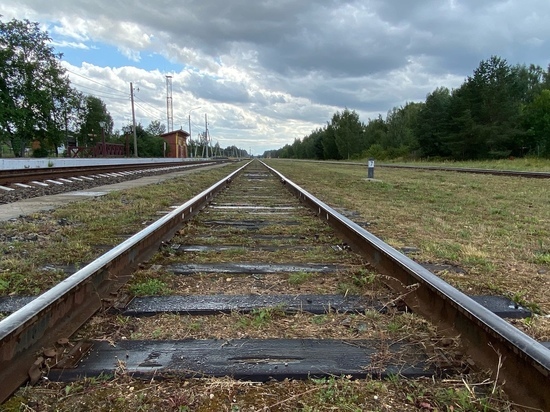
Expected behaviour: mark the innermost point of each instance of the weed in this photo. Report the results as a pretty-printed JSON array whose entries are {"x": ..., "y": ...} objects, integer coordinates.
[
  {"x": 319, "y": 319},
  {"x": 364, "y": 279},
  {"x": 72, "y": 388},
  {"x": 339, "y": 393},
  {"x": 393, "y": 378},
  {"x": 372, "y": 314},
  {"x": 4, "y": 286},
  {"x": 519, "y": 299},
  {"x": 542, "y": 258},
  {"x": 358, "y": 281},
  {"x": 298, "y": 278},
  {"x": 150, "y": 287},
  {"x": 195, "y": 326},
  {"x": 259, "y": 318},
  {"x": 394, "y": 326}
]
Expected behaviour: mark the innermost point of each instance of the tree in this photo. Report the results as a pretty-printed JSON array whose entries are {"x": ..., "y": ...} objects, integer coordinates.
[
  {"x": 348, "y": 133},
  {"x": 328, "y": 141},
  {"x": 93, "y": 111},
  {"x": 400, "y": 139},
  {"x": 375, "y": 131},
  {"x": 34, "y": 91},
  {"x": 156, "y": 128},
  {"x": 537, "y": 121},
  {"x": 432, "y": 123},
  {"x": 490, "y": 102},
  {"x": 149, "y": 145},
  {"x": 313, "y": 145}
]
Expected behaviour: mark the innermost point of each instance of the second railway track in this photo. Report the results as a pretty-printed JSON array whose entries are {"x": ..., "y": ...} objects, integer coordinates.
[{"x": 258, "y": 287}]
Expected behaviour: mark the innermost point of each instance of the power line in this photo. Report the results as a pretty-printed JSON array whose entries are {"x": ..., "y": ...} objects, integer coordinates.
[
  {"x": 146, "y": 111},
  {"x": 147, "y": 104},
  {"x": 99, "y": 93},
  {"x": 91, "y": 88},
  {"x": 95, "y": 81}
]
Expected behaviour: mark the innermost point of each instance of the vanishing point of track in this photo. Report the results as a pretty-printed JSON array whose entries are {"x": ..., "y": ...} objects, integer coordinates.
[{"x": 61, "y": 311}]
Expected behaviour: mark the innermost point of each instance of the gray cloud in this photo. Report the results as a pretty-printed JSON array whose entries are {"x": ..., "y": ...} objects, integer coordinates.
[{"x": 276, "y": 69}]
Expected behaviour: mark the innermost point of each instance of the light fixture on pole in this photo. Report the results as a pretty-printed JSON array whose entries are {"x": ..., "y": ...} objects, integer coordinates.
[{"x": 102, "y": 125}]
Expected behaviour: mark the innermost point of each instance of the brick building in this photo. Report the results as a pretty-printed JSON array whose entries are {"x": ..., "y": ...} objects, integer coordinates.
[{"x": 176, "y": 143}]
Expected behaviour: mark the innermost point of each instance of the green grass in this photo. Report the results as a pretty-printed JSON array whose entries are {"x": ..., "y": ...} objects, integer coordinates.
[
  {"x": 493, "y": 227},
  {"x": 298, "y": 278},
  {"x": 259, "y": 318},
  {"x": 150, "y": 287}
]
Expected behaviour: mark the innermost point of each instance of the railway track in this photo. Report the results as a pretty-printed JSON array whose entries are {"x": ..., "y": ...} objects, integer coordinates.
[
  {"x": 471, "y": 170},
  {"x": 18, "y": 184},
  {"x": 254, "y": 254},
  {"x": 496, "y": 172},
  {"x": 14, "y": 178}
]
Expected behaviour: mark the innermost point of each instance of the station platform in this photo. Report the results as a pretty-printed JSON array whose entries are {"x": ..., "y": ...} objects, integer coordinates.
[{"x": 43, "y": 203}]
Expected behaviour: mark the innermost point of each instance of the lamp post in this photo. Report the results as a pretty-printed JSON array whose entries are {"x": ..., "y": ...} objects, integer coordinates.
[
  {"x": 102, "y": 125},
  {"x": 189, "y": 115}
]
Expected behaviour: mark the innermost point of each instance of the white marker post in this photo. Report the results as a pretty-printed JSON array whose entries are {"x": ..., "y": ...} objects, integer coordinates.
[{"x": 370, "y": 169}]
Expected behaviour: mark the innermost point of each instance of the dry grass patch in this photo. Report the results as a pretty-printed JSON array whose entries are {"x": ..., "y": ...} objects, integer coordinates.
[
  {"x": 471, "y": 393},
  {"x": 354, "y": 281},
  {"x": 266, "y": 323},
  {"x": 252, "y": 254}
]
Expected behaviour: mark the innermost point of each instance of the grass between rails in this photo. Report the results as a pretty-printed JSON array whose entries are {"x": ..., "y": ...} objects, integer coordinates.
[
  {"x": 494, "y": 228},
  {"x": 225, "y": 395},
  {"x": 37, "y": 250}
]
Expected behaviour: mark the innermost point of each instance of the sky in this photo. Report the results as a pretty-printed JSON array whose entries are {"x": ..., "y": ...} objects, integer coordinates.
[{"x": 265, "y": 72}]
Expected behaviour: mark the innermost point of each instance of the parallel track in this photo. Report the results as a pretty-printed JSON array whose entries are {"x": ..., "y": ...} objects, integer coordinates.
[
  {"x": 62, "y": 310},
  {"x": 24, "y": 176},
  {"x": 496, "y": 172}
]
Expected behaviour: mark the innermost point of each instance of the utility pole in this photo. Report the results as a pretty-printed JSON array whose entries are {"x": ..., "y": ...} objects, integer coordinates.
[
  {"x": 133, "y": 120},
  {"x": 190, "y": 135},
  {"x": 206, "y": 133}
]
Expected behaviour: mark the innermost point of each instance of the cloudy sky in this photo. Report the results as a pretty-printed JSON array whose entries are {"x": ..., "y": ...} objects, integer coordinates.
[{"x": 268, "y": 71}]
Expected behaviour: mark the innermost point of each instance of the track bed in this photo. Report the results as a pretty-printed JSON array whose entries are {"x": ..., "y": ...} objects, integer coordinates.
[{"x": 257, "y": 304}]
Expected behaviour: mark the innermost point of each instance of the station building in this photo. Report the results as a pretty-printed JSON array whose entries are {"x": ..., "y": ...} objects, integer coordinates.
[{"x": 176, "y": 143}]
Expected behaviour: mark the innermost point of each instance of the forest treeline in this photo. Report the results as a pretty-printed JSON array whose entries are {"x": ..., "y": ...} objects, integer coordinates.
[{"x": 500, "y": 111}]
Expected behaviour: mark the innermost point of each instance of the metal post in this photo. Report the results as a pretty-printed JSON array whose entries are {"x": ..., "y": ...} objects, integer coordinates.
[
  {"x": 370, "y": 169},
  {"x": 133, "y": 120},
  {"x": 190, "y": 135},
  {"x": 206, "y": 133},
  {"x": 102, "y": 125}
]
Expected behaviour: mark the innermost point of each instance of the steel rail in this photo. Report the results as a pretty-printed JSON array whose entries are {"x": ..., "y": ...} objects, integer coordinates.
[
  {"x": 27, "y": 175},
  {"x": 520, "y": 363},
  {"x": 60, "y": 311}
]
